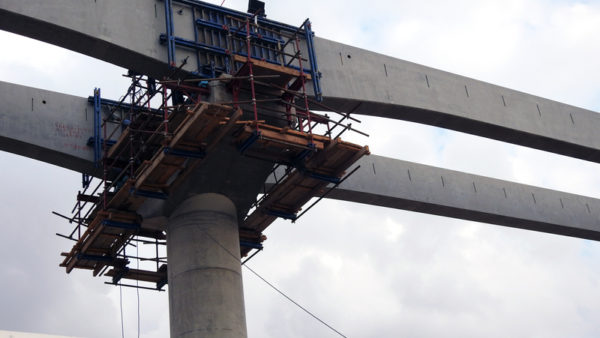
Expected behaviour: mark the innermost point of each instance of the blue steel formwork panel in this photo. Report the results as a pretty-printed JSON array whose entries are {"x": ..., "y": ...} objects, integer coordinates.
[
  {"x": 219, "y": 33},
  {"x": 97, "y": 127}
]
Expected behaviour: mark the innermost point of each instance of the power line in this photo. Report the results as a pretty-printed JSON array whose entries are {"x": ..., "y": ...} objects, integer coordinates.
[
  {"x": 137, "y": 290},
  {"x": 138, "y": 298},
  {"x": 274, "y": 287},
  {"x": 291, "y": 300},
  {"x": 121, "y": 305}
]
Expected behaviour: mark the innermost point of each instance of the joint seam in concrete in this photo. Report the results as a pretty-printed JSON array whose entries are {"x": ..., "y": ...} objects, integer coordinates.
[
  {"x": 201, "y": 330},
  {"x": 208, "y": 268},
  {"x": 219, "y": 213}
]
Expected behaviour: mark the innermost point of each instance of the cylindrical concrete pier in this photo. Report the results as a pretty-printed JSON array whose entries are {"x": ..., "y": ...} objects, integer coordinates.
[{"x": 206, "y": 297}]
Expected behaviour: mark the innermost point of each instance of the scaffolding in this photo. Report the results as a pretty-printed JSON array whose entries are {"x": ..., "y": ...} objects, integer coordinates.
[
  {"x": 219, "y": 39},
  {"x": 147, "y": 143}
]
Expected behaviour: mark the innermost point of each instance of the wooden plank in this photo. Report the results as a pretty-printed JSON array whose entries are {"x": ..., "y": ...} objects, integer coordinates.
[
  {"x": 200, "y": 134},
  {"x": 151, "y": 186},
  {"x": 364, "y": 151},
  {"x": 271, "y": 67},
  {"x": 287, "y": 138},
  {"x": 120, "y": 196},
  {"x": 298, "y": 133},
  {"x": 225, "y": 129},
  {"x": 180, "y": 133},
  {"x": 113, "y": 236},
  {"x": 141, "y": 275},
  {"x": 120, "y": 142},
  {"x": 155, "y": 162},
  {"x": 122, "y": 216},
  {"x": 70, "y": 260},
  {"x": 222, "y": 132},
  {"x": 219, "y": 109}
]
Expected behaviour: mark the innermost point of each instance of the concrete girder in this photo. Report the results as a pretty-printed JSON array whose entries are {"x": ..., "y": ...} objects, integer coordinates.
[
  {"x": 373, "y": 84},
  {"x": 47, "y": 126},
  {"x": 353, "y": 79},
  {"x": 416, "y": 187},
  {"x": 124, "y": 33}
]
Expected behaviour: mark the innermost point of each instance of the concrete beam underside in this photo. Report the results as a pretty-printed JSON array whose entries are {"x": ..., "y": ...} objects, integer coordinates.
[{"x": 353, "y": 79}]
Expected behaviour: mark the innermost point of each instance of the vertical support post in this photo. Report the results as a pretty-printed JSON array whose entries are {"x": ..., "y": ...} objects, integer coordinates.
[
  {"x": 157, "y": 256},
  {"x": 169, "y": 33},
  {"x": 165, "y": 111},
  {"x": 206, "y": 297},
  {"x": 303, "y": 81},
  {"x": 250, "y": 71},
  {"x": 312, "y": 57},
  {"x": 196, "y": 51},
  {"x": 105, "y": 167},
  {"x": 134, "y": 83},
  {"x": 97, "y": 126},
  {"x": 79, "y": 217}
]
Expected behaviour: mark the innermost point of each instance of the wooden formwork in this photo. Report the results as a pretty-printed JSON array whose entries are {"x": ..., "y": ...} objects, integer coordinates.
[
  {"x": 316, "y": 165},
  {"x": 283, "y": 75},
  {"x": 316, "y": 161},
  {"x": 114, "y": 221}
]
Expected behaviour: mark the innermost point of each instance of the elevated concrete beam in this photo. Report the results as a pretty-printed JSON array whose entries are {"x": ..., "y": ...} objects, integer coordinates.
[
  {"x": 368, "y": 83},
  {"x": 415, "y": 187},
  {"x": 126, "y": 33},
  {"x": 46, "y": 126}
]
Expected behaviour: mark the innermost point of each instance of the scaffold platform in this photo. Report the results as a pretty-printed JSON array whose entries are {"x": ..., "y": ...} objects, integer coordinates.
[
  {"x": 115, "y": 221},
  {"x": 165, "y": 129}
]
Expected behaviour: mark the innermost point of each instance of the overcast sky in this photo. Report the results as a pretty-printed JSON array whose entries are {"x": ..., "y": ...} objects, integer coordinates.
[{"x": 368, "y": 271}]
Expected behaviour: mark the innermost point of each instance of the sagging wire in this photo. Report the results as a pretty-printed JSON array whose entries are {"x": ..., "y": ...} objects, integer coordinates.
[
  {"x": 137, "y": 290},
  {"x": 274, "y": 287},
  {"x": 121, "y": 306},
  {"x": 293, "y": 301},
  {"x": 138, "y": 296}
]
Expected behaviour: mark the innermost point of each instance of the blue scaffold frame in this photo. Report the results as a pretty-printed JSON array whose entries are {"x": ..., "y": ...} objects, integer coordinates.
[
  {"x": 97, "y": 127},
  {"x": 215, "y": 22}
]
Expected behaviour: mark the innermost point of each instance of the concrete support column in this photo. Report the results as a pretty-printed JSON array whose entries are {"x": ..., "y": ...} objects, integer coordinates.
[{"x": 206, "y": 297}]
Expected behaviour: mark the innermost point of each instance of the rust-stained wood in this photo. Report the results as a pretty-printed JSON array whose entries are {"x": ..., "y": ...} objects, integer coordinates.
[
  {"x": 225, "y": 129},
  {"x": 205, "y": 121},
  {"x": 272, "y": 68},
  {"x": 331, "y": 158},
  {"x": 202, "y": 128},
  {"x": 121, "y": 142},
  {"x": 142, "y": 275},
  {"x": 185, "y": 126},
  {"x": 148, "y": 171}
]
